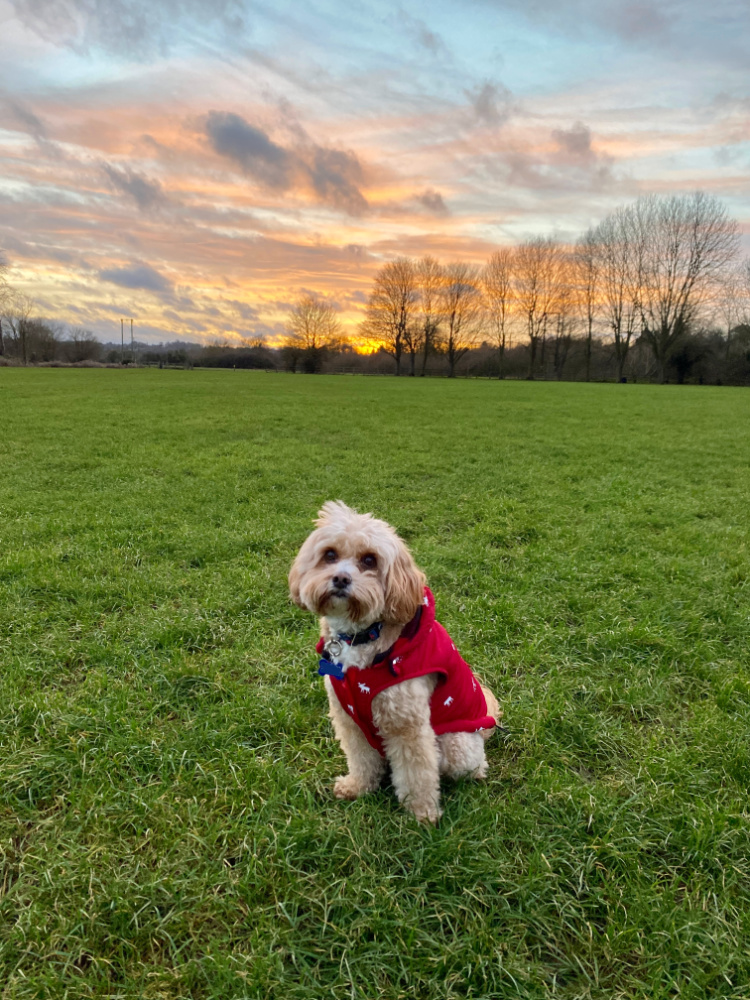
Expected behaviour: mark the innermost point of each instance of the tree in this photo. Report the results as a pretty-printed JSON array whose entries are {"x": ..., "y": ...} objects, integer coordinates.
[
  {"x": 462, "y": 310},
  {"x": 413, "y": 342},
  {"x": 687, "y": 240},
  {"x": 586, "y": 269},
  {"x": 17, "y": 314},
  {"x": 255, "y": 342},
  {"x": 497, "y": 281},
  {"x": 313, "y": 328},
  {"x": 733, "y": 290},
  {"x": 564, "y": 311},
  {"x": 391, "y": 309},
  {"x": 4, "y": 292},
  {"x": 535, "y": 272},
  {"x": 42, "y": 340},
  {"x": 618, "y": 249},
  {"x": 81, "y": 345},
  {"x": 429, "y": 283}
]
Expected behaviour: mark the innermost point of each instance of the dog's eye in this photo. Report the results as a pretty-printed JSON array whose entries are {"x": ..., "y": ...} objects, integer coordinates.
[
  {"x": 369, "y": 561},
  {"x": 330, "y": 555}
]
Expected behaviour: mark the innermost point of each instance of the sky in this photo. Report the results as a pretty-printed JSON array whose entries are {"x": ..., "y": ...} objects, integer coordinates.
[{"x": 199, "y": 165}]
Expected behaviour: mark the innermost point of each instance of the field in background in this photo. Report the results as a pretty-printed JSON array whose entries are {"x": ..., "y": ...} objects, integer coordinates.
[{"x": 166, "y": 822}]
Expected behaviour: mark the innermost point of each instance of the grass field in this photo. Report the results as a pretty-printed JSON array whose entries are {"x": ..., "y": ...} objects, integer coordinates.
[{"x": 166, "y": 822}]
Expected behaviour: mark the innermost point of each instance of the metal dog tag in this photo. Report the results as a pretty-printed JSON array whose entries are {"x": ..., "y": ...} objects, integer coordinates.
[{"x": 333, "y": 648}]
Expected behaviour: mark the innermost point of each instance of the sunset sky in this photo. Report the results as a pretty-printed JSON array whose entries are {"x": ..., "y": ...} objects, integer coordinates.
[{"x": 197, "y": 165}]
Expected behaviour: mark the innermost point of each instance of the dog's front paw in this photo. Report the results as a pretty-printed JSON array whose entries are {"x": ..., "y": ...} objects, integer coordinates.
[
  {"x": 427, "y": 812},
  {"x": 347, "y": 787}
]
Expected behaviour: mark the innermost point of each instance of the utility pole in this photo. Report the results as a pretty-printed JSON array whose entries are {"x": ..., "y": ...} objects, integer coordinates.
[
  {"x": 132, "y": 348},
  {"x": 122, "y": 341}
]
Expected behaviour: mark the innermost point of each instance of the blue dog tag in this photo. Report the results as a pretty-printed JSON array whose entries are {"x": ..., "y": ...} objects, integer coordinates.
[{"x": 334, "y": 669}]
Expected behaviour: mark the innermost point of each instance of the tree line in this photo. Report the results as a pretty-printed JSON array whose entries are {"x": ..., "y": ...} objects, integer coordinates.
[
  {"x": 663, "y": 273},
  {"x": 655, "y": 291},
  {"x": 27, "y": 339}
]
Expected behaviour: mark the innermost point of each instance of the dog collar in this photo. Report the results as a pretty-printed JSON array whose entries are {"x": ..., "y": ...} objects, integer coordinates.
[{"x": 360, "y": 638}]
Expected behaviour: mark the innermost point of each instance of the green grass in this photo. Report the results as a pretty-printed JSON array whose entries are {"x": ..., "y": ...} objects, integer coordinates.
[{"x": 166, "y": 822}]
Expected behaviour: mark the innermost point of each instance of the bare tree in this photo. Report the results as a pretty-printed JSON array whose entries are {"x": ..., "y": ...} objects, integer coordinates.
[
  {"x": 733, "y": 293},
  {"x": 461, "y": 308},
  {"x": 17, "y": 312},
  {"x": 413, "y": 343},
  {"x": 429, "y": 283},
  {"x": 81, "y": 345},
  {"x": 535, "y": 272},
  {"x": 564, "y": 310},
  {"x": 391, "y": 309},
  {"x": 618, "y": 250},
  {"x": 497, "y": 281},
  {"x": 42, "y": 340},
  {"x": 586, "y": 266},
  {"x": 4, "y": 292},
  {"x": 688, "y": 240},
  {"x": 313, "y": 328},
  {"x": 254, "y": 342}
]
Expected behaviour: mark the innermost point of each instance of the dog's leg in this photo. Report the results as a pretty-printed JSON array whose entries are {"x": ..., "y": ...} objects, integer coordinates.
[
  {"x": 493, "y": 709},
  {"x": 462, "y": 754},
  {"x": 402, "y": 716},
  {"x": 366, "y": 766}
]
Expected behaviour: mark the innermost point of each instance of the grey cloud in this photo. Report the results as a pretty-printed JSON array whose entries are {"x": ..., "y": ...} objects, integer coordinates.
[
  {"x": 184, "y": 302},
  {"x": 27, "y": 118},
  {"x": 676, "y": 29},
  {"x": 639, "y": 20},
  {"x": 268, "y": 331},
  {"x": 39, "y": 251},
  {"x": 579, "y": 161},
  {"x": 429, "y": 39},
  {"x": 314, "y": 293},
  {"x": 164, "y": 335},
  {"x": 21, "y": 118},
  {"x": 181, "y": 320},
  {"x": 133, "y": 29},
  {"x": 522, "y": 170},
  {"x": 333, "y": 175},
  {"x": 433, "y": 202},
  {"x": 724, "y": 102},
  {"x": 147, "y": 194},
  {"x": 231, "y": 136},
  {"x": 492, "y": 103},
  {"x": 357, "y": 251},
  {"x": 138, "y": 276},
  {"x": 575, "y": 143},
  {"x": 730, "y": 155},
  {"x": 243, "y": 309},
  {"x": 422, "y": 34},
  {"x": 572, "y": 166}
]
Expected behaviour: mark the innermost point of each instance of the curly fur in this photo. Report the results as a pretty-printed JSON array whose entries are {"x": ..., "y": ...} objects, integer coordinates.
[{"x": 384, "y": 585}]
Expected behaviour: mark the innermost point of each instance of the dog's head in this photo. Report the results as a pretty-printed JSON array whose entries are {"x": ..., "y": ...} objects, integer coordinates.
[{"x": 355, "y": 566}]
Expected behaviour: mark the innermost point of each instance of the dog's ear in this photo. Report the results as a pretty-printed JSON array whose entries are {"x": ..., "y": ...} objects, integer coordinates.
[
  {"x": 404, "y": 586},
  {"x": 295, "y": 578}
]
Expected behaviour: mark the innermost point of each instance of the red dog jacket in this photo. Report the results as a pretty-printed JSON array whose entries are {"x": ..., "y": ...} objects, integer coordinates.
[{"x": 458, "y": 704}]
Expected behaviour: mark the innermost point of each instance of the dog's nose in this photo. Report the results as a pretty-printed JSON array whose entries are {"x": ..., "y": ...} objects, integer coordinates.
[{"x": 341, "y": 580}]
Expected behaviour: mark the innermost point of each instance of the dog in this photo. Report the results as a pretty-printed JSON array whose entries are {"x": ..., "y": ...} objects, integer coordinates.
[{"x": 399, "y": 692}]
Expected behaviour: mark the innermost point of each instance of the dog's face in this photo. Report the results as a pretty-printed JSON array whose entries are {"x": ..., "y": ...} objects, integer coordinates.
[{"x": 356, "y": 567}]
